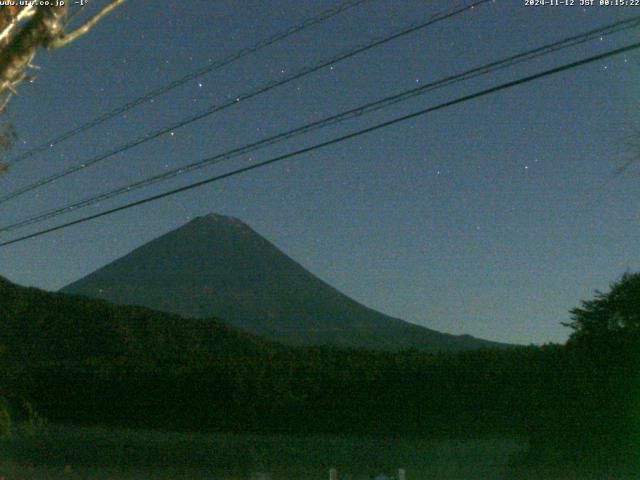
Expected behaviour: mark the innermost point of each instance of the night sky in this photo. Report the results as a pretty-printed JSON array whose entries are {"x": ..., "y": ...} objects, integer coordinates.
[{"x": 488, "y": 218}]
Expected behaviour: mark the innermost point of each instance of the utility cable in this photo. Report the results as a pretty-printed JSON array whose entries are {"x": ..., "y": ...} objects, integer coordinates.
[
  {"x": 343, "y": 116},
  {"x": 333, "y": 141}
]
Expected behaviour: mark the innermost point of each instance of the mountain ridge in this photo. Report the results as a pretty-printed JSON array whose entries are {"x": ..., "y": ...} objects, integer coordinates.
[{"x": 218, "y": 266}]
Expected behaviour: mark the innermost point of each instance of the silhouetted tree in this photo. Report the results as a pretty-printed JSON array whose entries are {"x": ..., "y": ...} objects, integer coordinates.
[
  {"x": 593, "y": 420},
  {"x": 609, "y": 317}
]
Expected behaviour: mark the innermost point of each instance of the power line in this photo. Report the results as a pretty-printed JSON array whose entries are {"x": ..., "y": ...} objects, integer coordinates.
[
  {"x": 343, "y": 116},
  {"x": 309, "y": 22},
  {"x": 333, "y": 141},
  {"x": 245, "y": 96}
]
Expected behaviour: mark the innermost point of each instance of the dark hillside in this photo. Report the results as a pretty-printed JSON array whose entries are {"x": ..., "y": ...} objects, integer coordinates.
[{"x": 81, "y": 359}]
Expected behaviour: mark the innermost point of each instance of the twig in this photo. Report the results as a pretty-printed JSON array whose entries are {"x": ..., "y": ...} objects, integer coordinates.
[
  {"x": 22, "y": 14},
  {"x": 73, "y": 14},
  {"x": 45, "y": 29},
  {"x": 65, "y": 39},
  {"x": 44, "y": 26},
  {"x": 4, "y": 103}
]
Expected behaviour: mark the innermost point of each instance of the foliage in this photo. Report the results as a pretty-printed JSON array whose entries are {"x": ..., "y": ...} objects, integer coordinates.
[
  {"x": 5, "y": 418},
  {"x": 596, "y": 419},
  {"x": 17, "y": 415},
  {"x": 87, "y": 361},
  {"x": 611, "y": 316}
]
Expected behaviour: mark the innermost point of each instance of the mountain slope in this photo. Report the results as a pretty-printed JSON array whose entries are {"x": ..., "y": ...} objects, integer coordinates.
[
  {"x": 40, "y": 327},
  {"x": 218, "y": 266},
  {"x": 78, "y": 359}
]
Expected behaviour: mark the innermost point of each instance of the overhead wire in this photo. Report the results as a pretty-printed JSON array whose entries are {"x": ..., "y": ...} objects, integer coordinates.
[
  {"x": 433, "y": 19},
  {"x": 336, "y": 140},
  {"x": 333, "y": 119},
  {"x": 264, "y": 43}
]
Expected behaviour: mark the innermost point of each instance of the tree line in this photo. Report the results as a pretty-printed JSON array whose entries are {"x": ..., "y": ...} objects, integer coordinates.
[{"x": 86, "y": 361}]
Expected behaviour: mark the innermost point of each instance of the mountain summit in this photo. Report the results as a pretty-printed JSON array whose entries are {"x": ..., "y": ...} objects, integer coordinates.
[{"x": 217, "y": 266}]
